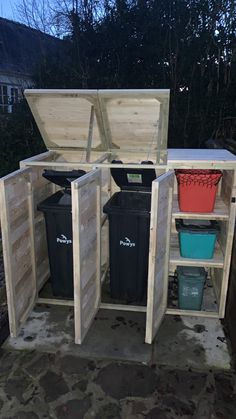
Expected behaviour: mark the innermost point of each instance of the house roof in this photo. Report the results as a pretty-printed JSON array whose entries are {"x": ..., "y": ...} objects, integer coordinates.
[{"x": 22, "y": 48}]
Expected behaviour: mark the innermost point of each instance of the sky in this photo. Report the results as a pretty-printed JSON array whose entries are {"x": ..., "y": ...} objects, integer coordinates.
[{"x": 7, "y": 8}]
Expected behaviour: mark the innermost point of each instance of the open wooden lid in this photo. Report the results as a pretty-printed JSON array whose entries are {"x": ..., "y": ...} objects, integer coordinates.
[{"x": 105, "y": 120}]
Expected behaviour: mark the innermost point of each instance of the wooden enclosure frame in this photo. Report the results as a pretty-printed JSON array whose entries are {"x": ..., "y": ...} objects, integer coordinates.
[
  {"x": 23, "y": 228},
  {"x": 36, "y": 188}
]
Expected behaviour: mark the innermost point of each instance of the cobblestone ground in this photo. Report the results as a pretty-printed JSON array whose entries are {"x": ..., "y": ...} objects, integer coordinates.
[{"x": 37, "y": 386}]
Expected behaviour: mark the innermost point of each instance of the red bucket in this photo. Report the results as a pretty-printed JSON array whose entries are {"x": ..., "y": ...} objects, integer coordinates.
[{"x": 197, "y": 189}]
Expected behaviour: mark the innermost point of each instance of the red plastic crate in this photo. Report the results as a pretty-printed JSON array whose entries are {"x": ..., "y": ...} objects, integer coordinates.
[{"x": 197, "y": 189}]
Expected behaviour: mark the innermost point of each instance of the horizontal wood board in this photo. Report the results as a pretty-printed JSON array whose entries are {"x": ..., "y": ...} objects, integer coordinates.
[
  {"x": 194, "y": 159},
  {"x": 221, "y": 211},
  {"x": 200, "y": 159},
  {"x": 177, "y": 260}
]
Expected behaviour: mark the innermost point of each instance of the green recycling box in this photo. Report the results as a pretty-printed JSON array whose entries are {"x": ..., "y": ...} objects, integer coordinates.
[{"x": 191, "y": 282}]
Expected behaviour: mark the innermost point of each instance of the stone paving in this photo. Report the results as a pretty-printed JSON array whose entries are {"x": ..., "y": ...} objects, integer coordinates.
[{"x": 37, "y": 385}]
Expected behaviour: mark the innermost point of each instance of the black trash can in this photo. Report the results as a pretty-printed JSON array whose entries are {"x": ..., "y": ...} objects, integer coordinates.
[
  {"x": 58, "y": 219},
  {"x": 129, "y": 222}
]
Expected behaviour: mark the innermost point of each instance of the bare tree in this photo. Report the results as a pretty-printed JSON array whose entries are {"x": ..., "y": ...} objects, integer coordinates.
[
  {"x": 49, "y": 16},
  {"x": 54, "y": 16}
]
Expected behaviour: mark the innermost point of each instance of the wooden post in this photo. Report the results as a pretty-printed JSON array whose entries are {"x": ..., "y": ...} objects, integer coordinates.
[{"x": 90, "y": 134}]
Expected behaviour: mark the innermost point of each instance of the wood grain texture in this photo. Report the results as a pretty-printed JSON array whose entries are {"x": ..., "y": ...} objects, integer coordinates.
[
  {"x": 86, "y": 220},
  {"x": 158, "y": 269},
  {"x": 18, "y": 248},
  {"x": 43, "y": 157},
  {"x": 63, "y": 117},
  {"x": 123, "y": 307},
  {"x": 221, "y": 211},
  {"x": 137, "y": 121},
  {"x": 228, "y": 246},
  {"x": 191, "y": 313},
  {"x": 200, "y": 159},
  {"x": 123, "y": 119}
]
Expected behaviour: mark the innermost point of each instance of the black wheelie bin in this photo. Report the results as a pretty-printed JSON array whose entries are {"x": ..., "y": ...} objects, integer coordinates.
[
  {"x": 129, "y": 222},
  {"x": 58, "y": 218}
]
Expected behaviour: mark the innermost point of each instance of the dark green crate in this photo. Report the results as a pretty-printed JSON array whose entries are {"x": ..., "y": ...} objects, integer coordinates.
[{"x": 191, "y": 282}]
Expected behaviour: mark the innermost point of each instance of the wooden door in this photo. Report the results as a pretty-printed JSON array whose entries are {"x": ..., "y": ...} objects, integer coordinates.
[
  {"x": 160, "y": 228},
  {"x": 18, "y": 246},
  {"x": 86, "y": 216}
]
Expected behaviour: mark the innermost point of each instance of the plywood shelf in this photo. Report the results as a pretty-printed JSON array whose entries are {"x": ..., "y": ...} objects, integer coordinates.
[
  {"x": 177, "y": 260},
  {"x": 221, "y": 211}
]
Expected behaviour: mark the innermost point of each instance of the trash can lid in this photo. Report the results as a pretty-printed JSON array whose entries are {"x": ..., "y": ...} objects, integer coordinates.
[
  {"x": 198, "y": 226},
  {"x": 63, "y": 178},
  {"x": 191, "y": 271},
  {"x": 133, "y": 179}
]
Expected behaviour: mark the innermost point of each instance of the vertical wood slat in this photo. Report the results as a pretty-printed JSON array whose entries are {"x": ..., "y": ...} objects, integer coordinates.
[
  {"x": 90, "y": 134},
  {"x": 76, "y": 263},
  {"x": 99, "y": 241},
  {"x": 87, "y": 290},
  {"x": 32, "y": 233},
  {"x": 8, "y": 268},
  {"x": 228, "y": 248}
]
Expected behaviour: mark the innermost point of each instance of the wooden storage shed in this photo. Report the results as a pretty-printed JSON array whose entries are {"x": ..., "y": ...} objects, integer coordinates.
[{"x": 87, "y": 130}]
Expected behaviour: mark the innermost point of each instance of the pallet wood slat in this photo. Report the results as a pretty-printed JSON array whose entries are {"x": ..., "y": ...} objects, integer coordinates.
[
  {"x": 228, "y": 247},
  {"x": 221, "y": 211},
  {"x": 20, "y": 283},
  {"x": 48, "y": 155},
  {"x": 87, "y": 264},
  {"x": 192, "y": 313},
  {"x": 177, "y": 260},
  {"x": 161, "y": 208}
]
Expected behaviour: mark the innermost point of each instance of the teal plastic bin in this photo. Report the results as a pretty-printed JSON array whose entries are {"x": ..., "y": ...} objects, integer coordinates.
[
  {"x": 191, "y": 282},
  {"x": 197, "y": 238}
]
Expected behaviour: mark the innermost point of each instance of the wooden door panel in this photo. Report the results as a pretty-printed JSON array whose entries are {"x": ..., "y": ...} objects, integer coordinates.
[
  {"x": 160, "y": 226},
  {"x": 18, "y": 246},
  {"x": 86, "y": 215}
]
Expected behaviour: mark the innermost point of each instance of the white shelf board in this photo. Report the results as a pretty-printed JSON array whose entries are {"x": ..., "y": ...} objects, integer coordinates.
[{"x": 201, "y": 159}]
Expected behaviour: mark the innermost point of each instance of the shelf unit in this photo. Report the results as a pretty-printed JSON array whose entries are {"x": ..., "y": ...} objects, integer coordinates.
[{"x": 218, "y": 266}]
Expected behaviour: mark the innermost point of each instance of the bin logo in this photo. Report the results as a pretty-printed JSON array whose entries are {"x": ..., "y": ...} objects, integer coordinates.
[
  {"x": 127, "y": 242},
  {"x": 63, "y": 239}
]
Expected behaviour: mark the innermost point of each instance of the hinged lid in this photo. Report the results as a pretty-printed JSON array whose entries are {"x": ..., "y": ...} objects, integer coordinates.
[
  {"x": 106, "y": 120},
  {"x": 133, "y": 179},
  {"x": 63, "y": 178}
]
